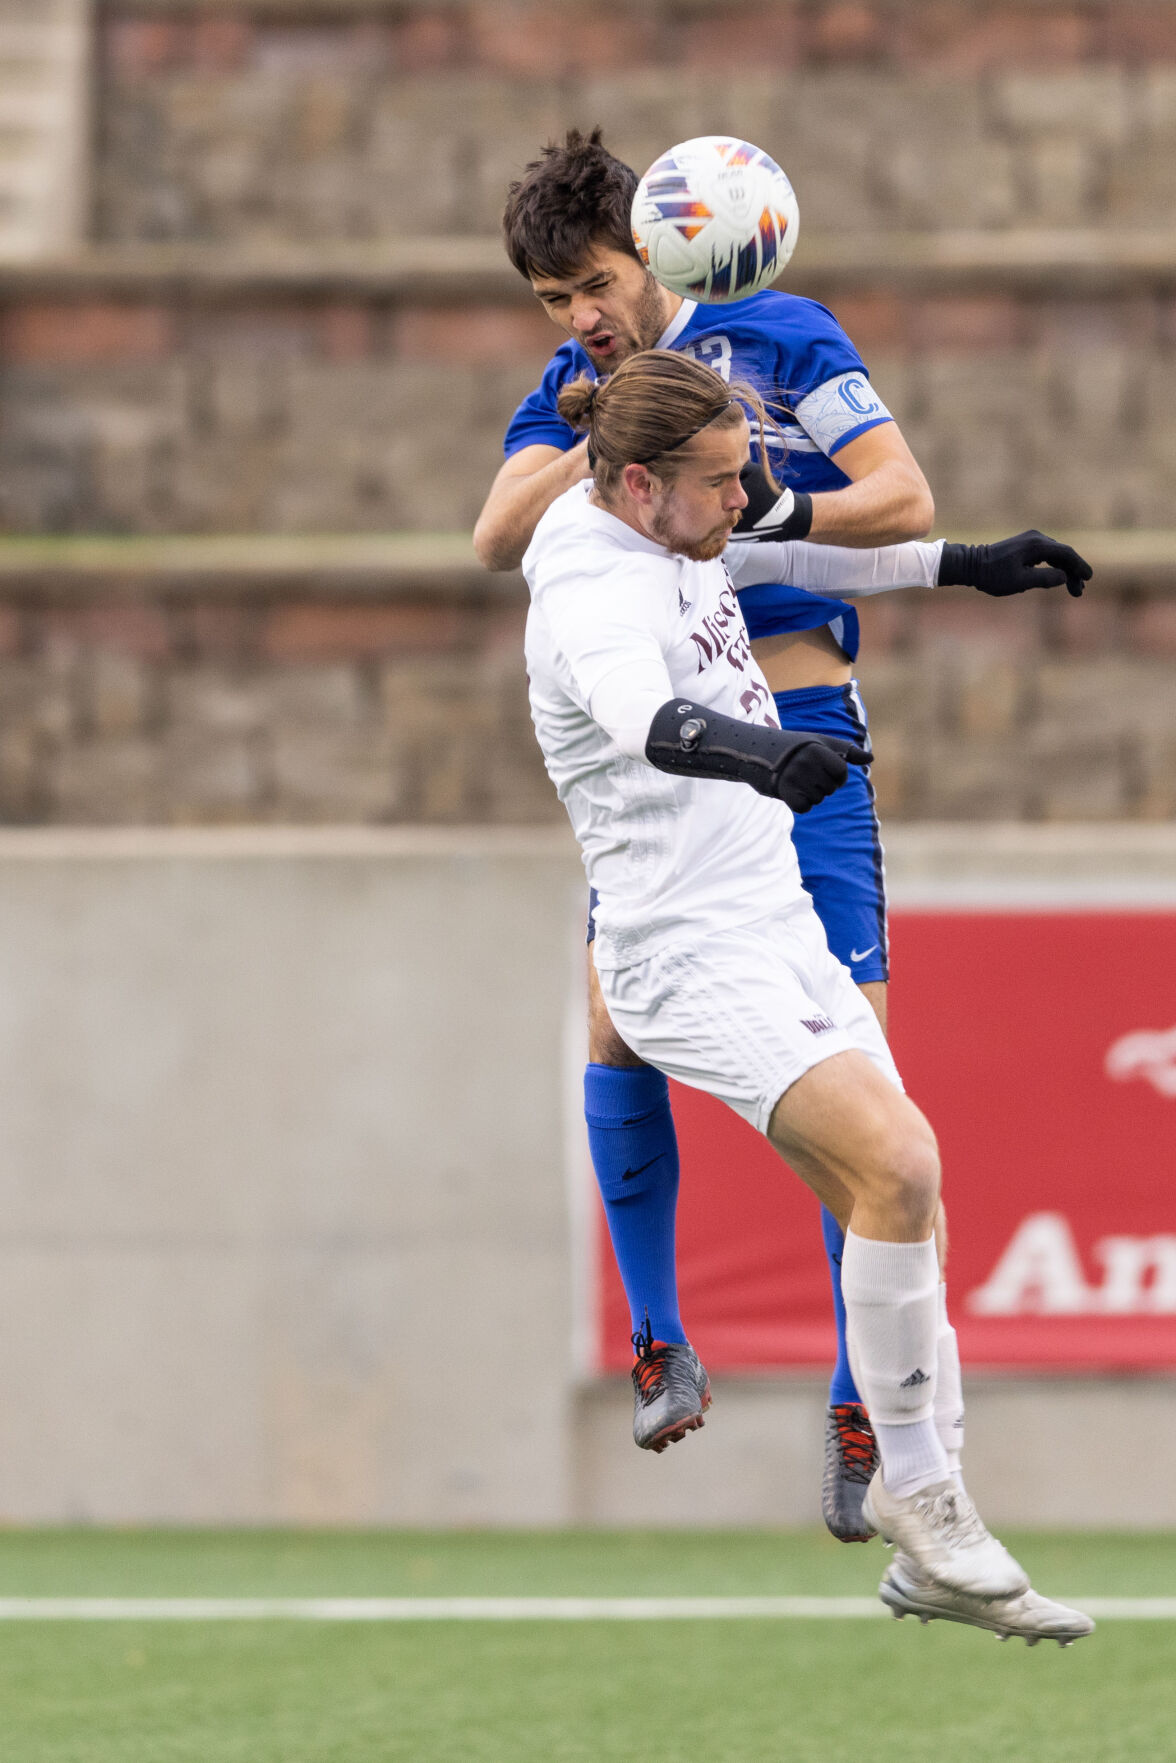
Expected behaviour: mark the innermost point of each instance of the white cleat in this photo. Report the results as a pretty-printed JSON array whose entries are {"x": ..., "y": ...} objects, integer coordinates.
[
  {"x": 945, "y": 1539},
  {"x": 1026, "y": 1615}
]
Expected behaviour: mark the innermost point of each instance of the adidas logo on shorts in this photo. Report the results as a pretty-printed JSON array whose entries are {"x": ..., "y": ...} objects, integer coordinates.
[{"x": 817, "y": 1025}]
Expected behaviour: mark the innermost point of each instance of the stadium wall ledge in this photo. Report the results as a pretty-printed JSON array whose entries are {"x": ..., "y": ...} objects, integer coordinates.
[
  {"x": 473, "y": 270},
  {"x": 396, "y": 565},
  {"x": 933, "y": 861},
  {"x": 392, "y": 565}
]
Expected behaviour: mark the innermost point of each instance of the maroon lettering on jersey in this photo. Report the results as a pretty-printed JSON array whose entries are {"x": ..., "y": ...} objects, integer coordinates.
[
  {"x": 705, "y": 653},
  {"x": 722, "y": 632}
]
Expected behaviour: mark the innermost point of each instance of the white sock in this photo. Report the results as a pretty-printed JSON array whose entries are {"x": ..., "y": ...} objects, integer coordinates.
[
  {"x": 949, "y": 1390},
  {"x": 912, "y": 1456},
  {"x": 891, "y": 1293}
]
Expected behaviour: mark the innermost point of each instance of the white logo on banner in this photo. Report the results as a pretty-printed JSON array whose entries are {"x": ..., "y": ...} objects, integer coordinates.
[
  {"x": 1149, "y": 1053},
  {"x": 1041, "y": 1274}
]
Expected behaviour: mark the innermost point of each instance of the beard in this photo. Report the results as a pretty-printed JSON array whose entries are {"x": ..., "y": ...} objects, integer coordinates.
[
  {"x": 649, "y": 319},
  {"x": 699, "y": 548}
]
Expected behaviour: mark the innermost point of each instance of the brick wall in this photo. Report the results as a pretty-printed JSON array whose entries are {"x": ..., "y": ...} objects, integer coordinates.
[
  {"x": 413, "y": 119},
  {"x": 1040, "y": 710},
  {"x": 309, "y": 414},
  {"x": 157, "y": 407},
  {"x": 281, "y": 415},
  {"x": 166, "y": 708}
]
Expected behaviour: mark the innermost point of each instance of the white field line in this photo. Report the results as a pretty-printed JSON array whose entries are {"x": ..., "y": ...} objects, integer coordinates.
[{"x": 496, "y": 1609}]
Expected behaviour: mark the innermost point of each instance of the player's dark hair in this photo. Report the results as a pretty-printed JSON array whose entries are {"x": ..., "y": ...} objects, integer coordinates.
[
  {"x": 569, "y": 199},
  {"x": 649, "y": 408}
]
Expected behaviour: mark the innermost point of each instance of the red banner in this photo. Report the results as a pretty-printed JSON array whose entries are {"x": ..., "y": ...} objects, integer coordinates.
[{"x": 1042, "y": 1046}]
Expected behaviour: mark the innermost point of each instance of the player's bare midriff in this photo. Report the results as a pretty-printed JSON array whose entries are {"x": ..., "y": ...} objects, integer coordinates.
[{"x": 795, "y": 660}]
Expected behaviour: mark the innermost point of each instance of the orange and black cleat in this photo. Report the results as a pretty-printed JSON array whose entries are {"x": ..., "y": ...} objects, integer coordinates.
[
  {"x": 851, "y": 1457},
  {"x": 671, "y": 1391}
]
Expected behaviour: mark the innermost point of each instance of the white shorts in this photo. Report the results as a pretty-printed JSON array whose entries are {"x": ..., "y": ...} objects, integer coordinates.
[{"x": 743, "y": 1013}]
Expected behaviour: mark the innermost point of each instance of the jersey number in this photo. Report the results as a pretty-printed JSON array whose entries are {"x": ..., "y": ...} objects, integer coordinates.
[
  {"x": 713, "y": 352},
  {"x": 755, "y": 699}
]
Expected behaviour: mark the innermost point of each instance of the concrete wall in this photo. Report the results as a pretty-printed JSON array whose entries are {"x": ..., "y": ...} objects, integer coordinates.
[
  {"x": 45, "y": 79},
  {"x": 1048, "y": 1454},
  {"x": 284, "y": 1225},
  {"x": 291, "y": 1178}
]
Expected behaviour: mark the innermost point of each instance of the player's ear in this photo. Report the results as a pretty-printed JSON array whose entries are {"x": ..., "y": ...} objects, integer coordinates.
[{"x": 639, "y": 483}]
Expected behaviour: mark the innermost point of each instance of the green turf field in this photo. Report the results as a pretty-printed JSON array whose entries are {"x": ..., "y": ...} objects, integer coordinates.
[{"x": 743, "y": 1691}]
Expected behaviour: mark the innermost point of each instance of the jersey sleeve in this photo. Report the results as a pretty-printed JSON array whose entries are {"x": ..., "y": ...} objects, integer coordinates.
[
  {"x": 627, "y": 700},
  {"x": 603, "y": 624},
  {"x": 826, "y": 380},
  {"x": 537, "y": 422},
  {"x": 839, "y": 571}
]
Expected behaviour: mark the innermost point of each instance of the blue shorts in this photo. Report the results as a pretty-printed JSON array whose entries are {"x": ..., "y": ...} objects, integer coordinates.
[{"x": 837, "y": 842}]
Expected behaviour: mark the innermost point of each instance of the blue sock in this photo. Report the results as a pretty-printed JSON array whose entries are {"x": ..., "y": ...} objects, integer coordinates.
[
  {"x": 842, "y": 1387},
  {"x": 635, "y": 1155}
]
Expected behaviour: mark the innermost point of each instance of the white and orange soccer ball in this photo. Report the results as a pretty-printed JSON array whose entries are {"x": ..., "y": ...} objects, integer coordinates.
[{"x": 715, "y": 219}]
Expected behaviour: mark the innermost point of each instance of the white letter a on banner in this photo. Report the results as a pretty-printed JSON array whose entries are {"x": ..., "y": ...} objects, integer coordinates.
[{"x": 1038, "y": 1274}]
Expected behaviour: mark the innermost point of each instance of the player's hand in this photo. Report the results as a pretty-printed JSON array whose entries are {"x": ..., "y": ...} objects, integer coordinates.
[
  {"x": 771, "y": 513},
  {"x": 814, "y": 769},
  {"x": 1031, "y": 560}
]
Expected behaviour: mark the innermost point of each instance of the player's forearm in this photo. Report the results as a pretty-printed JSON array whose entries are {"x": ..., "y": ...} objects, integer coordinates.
[
  {"x": 846, "y": 572},
  {"x": 688, "y": 740},
  {"x": 796, "y": 767},
  {"x": 889, "y": 505},
  {"x": 516, "y": 505},
  {"x": 849, "y": 572}
]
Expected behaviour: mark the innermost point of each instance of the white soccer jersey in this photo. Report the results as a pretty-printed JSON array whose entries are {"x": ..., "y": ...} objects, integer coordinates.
[{"x": 617, "y": 626}]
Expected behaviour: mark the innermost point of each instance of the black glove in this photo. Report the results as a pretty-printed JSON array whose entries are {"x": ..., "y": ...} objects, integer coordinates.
[
  {"x": 771, "y": 514},
  {"x": 817, "y": 765},
  {"x": 1031, "y": 560}
]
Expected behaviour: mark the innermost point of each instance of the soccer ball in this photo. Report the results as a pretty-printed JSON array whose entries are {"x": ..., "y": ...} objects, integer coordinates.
[{"x": 715, "y": 219}]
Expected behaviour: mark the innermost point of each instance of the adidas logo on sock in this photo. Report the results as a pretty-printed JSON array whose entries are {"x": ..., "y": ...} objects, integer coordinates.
[{"x": 914, "y": 1380}]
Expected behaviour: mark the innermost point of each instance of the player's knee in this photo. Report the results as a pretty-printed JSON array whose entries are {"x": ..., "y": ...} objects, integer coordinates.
[{"x": 904, "y": 1176}]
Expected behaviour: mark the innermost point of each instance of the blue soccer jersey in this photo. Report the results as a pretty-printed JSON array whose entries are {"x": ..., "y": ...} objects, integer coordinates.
[{"x": 799, "y": 359}]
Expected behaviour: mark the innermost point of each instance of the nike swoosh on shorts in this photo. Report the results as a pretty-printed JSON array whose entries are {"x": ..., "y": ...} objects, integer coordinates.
[{"x": 860, "y": 954}]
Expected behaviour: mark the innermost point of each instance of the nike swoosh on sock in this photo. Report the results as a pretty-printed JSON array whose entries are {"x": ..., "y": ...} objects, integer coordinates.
[{"x": 630, "y": 1173}]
